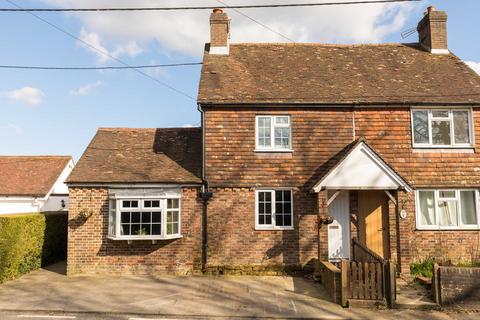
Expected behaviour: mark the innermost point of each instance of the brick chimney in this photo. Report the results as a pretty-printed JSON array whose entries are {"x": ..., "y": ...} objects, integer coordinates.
[
  {"x": 219, "y": 32},
  {"x": 432, "y": 31}
]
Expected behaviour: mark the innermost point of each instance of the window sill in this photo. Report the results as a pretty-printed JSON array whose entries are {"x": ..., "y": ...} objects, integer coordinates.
[
  {"x": 273, "y": 150},
  {"x": 453, "y": 149},
  {"x": 273, "y": 228},
  {"x": 448, "y": 229},
  {"x": 140, "y": 238}
]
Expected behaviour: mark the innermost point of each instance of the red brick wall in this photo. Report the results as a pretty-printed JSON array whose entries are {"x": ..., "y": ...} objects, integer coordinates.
[
  {"x": 89, "y": 250},
  {"x": 233, "y": 240}
]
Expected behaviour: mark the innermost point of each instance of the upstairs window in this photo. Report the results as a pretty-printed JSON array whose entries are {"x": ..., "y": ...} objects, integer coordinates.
[
  {"x": 274, "y": 209},
  {"x": 441, "y": 128},
  {"x": 149, "y": 219},
  {"x": 447, "y": 209},
  {"x": 273, "y": 133}
]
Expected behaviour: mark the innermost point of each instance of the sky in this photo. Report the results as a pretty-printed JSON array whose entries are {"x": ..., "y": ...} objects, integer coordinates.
[{"x": 58, "y": 112}]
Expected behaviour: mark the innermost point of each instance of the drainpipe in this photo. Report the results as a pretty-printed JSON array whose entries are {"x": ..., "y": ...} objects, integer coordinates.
[{"x": 205, "y": 195}]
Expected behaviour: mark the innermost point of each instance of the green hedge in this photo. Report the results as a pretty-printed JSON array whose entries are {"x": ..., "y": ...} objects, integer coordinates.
[{"x": 29, "y": 241}]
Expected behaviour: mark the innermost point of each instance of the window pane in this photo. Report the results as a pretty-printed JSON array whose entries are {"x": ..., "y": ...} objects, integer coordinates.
[
  {"x": 420, "y": 126},
  {"x": 427, "y": 208},
  {"x": 135, "y": 229},
  {"x": 135, "y": 217},
  {"x": 147, "y": 204},
  {"x": 156, "y": 216},
  {"x": 172, "y": 203},
  {"x": 111, "y": 222},
  {"x": 283, "y": 208},
  {"x": 264, "y": 132},
  {"x": 468, "y": 210},
  {"x": 146, "y": 217},
  {"x": 282, "y": 120},
  {"x": 282, "y": 137},
  {"x": 156, "y": 229},
  {"x": 441, "y": 132},
  {"x": 440, "y": 114},
  {"x": 446, "y": 193},
  {"x": 125, "y": 229},
  {"x": 460, "y": 125},
  {"x": 447, "y": 213},
  {"x": 125, "y": 216},
  {"x": 264, "y": 208}
]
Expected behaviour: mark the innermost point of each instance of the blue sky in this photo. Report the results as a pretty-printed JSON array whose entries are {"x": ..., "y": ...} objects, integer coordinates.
[{"x": 58, "y": 112}]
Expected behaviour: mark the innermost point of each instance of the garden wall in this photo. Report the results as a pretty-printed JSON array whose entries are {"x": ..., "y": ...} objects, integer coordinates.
[{"x": 456, "y": 285}]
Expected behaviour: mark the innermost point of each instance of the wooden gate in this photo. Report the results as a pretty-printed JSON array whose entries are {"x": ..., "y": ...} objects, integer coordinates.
[{"x": 368, "y": 281}]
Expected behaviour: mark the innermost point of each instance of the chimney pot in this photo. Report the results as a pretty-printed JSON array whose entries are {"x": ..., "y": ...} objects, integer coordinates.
[
  {"x": 432, "y": 31},
  {"x": 217, "y": 10}
]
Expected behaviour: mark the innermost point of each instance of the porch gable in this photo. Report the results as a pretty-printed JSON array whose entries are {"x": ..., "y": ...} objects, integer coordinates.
[{"x": 362, "y": 168}]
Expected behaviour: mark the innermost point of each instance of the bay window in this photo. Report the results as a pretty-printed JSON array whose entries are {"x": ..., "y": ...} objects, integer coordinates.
[
  {"x": 447, "y": 209},
  {"x": 273, "y": 133},
  {"x": 143, "y": 218},
  {"x": 274, "y": 209},
  {"x": 442, "y": 128}
]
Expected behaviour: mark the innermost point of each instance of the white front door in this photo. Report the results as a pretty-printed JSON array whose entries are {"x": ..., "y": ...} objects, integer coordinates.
[{"x": 339, "y": 230}]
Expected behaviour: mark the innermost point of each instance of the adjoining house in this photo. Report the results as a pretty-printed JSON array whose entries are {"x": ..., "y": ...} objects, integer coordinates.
[
  {"x": 34, "y": 183},
  {"x": 304, "y": 150}
]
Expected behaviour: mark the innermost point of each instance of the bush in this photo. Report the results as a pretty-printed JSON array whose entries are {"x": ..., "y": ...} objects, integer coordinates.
[
  {"x": 423, "y": 268},
  {"x": 29, "y": 241}
]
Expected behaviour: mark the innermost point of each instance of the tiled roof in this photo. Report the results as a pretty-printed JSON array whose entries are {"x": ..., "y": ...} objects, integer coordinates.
[
  {"x": 30, "y": 175},
  {"x": 122, "y": 155},
  {"x": 335, "y": 74}
]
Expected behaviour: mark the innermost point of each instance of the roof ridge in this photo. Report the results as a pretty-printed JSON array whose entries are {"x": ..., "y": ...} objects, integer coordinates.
[
  {"x": 142, "y": 129},
  {"x": 317, "y": 44},
  {"x": 37, "y": 156}
]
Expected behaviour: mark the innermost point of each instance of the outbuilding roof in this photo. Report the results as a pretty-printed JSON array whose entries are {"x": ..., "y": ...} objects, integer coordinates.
[
  {"x": 125, "y": 155},
  {"x": 32, "y": 176},
  {"x": 266, "y": 73}
]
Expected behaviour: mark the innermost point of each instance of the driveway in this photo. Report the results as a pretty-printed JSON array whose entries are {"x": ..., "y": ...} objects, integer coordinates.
[{"x": 51, "y": 292}]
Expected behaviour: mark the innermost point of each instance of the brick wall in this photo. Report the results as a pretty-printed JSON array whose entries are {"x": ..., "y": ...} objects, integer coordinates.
[
  {"x": 233, "y": 241},
  {"x": 89, "y": 250},
  {"x": 457, "y": 286}
]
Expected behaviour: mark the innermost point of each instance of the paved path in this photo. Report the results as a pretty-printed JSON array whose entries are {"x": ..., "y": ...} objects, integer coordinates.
[{"x": 43, "y": 292}]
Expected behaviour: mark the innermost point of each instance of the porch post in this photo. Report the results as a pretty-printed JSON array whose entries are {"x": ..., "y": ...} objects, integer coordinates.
[{"x": 323, "y": 229}]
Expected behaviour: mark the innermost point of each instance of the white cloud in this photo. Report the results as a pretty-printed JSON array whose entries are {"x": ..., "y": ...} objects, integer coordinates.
[
  {"x": 92, "y": 42},
  {"x": 28, "y": 95},
  {"x": 186, "y": 31},
  {"x": 474, "y": 65},
  {"x": 86, "y": 89}
]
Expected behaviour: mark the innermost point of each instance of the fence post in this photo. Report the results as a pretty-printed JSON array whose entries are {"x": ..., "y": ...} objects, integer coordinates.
[
  {"x": 436, "y": 284},
  {"x": 390, "y": 283},
  {"x": 344, "y": 282}
]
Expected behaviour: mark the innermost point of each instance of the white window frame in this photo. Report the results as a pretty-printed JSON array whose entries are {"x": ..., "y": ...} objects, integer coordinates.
[
  {"x": 272, "y": 226},
  {"x": 430, "y": 118},
  {"x": 436, "y": 196},
  {"x": 163, "y": 220},
  {"x": 273, "y": 125}
]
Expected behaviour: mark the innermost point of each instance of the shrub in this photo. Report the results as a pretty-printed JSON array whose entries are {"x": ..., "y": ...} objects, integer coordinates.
[
  {"x": 29, "y": 241},
  {"x": 423, "y": 268}
]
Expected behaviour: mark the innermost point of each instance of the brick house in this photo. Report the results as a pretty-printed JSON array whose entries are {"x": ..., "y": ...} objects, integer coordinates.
[{"x": 377, "y": 140}]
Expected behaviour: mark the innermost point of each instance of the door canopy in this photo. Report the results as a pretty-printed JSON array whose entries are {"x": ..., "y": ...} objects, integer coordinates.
[{"x": 362, "y": 169}]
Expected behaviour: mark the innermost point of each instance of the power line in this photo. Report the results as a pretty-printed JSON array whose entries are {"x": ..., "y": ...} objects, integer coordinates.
[
  {"x": 284, "y": 5},
  {"x": 257, "y": 22},
  {"x": 105, "y": 53},
  {"x": 101, "y": 68}
]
